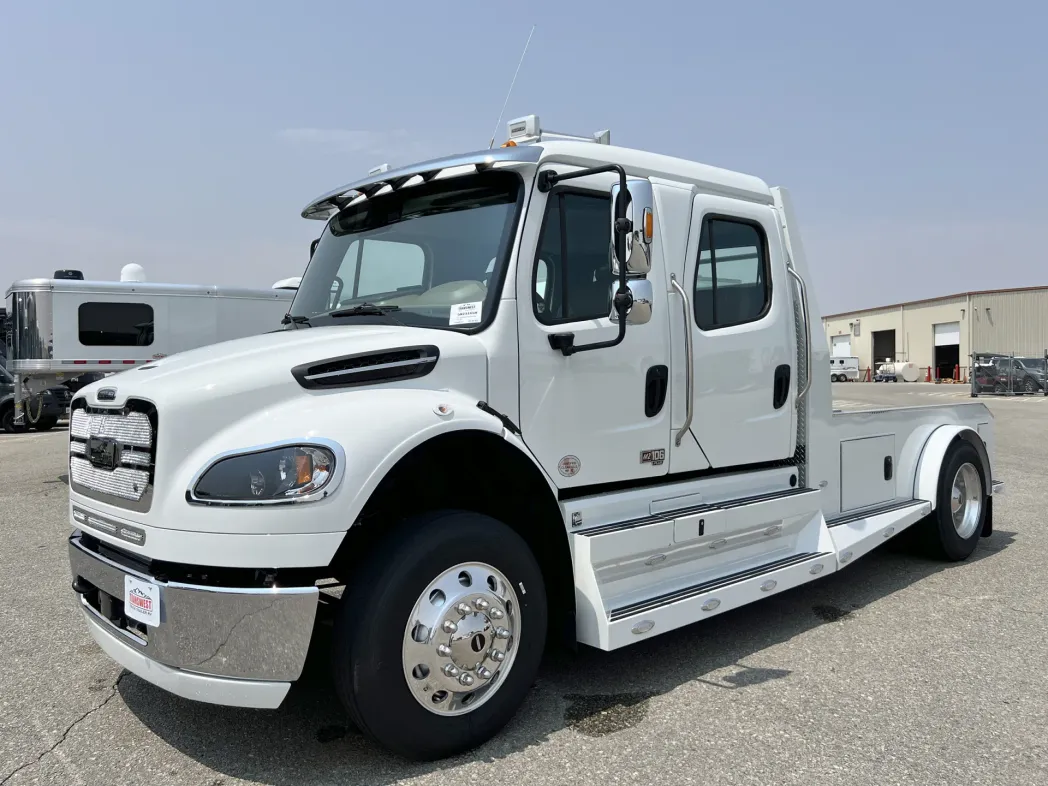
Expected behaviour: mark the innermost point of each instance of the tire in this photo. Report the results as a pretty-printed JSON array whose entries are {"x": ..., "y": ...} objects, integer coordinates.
[
  {"x": 7, "y": 419},
  {"x": 376, "y": 640},
  {"x": 943, "y": 539},
  {"x": 1030, "y": 386},
  {"x": 46, "y": 423}
]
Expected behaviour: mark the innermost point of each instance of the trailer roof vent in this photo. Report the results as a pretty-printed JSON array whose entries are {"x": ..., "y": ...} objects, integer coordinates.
[
  {"x": 69, "y": 275},
  {"x": 133, "y": 272}
]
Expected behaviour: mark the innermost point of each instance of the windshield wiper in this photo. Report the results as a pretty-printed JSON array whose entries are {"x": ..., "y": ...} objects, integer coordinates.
[
  {"x": 296, "y": 319},
  {"x": 364, "y": 310}
]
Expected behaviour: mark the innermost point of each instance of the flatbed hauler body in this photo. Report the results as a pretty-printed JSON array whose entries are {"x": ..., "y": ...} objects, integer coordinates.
[{"x": 510, "y": 403}]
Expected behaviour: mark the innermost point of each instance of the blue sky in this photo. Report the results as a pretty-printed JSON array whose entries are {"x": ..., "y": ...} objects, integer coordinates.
[{"x": 188, "y": 136}]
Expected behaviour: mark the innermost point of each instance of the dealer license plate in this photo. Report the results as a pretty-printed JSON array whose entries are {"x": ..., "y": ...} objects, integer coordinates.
[{"x": 142, "y": 600}]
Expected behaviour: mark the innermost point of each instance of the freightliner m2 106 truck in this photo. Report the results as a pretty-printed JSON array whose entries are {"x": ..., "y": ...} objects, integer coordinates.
[{"x": 558, "y": 390}]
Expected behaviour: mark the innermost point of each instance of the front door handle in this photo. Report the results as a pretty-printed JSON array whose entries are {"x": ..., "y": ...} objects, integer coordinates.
[{"x": 655, "y": 390}]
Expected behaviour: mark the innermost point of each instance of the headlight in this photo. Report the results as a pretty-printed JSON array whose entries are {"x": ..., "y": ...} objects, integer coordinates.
[{"x": 283, "y": 474}]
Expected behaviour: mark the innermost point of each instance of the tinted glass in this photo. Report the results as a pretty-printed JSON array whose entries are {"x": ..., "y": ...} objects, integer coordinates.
[
  {"x": 116, "y": 324},
  {"x": 573, "y": 269}
]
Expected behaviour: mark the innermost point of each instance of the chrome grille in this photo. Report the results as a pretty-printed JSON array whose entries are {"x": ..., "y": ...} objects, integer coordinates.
[
  {"x": 122, "y": 482},
  {"x": 129, "y": 483},
  {"x": 132, "y": 428}
]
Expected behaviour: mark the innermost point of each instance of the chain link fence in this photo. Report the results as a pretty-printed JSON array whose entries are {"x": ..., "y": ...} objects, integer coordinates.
[{"x": 1008, "y": 374}]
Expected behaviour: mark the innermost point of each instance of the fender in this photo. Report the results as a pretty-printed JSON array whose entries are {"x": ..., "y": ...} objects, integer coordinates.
[
  {"x": 926, "y": 481},
  {"x": 420, "y": 420}
]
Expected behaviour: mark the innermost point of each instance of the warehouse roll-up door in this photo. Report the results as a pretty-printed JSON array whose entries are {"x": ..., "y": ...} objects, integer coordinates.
[
  {"x": 947, "y": 334},
  {"x": 947, "y": 349},
  {"x": 841, "y": 346}
]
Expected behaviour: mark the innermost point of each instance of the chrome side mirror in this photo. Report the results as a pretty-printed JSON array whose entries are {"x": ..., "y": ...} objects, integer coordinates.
[
  {"x": 635, "y": 252},
  {"x": 642, "y": 295}
]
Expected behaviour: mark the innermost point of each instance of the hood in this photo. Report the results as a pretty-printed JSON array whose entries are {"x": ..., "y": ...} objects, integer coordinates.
[{"x": 213, "y": 385}]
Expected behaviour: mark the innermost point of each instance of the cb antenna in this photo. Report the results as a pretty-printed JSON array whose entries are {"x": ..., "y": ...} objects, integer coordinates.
[{"x": 498, "y": 122}]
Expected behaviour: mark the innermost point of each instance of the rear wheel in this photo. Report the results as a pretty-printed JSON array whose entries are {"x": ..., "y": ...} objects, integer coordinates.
[
  {"x": 440, "y": 637},
  {"x": 953, "y": 530},
  {"x": 7, "y": 419}
]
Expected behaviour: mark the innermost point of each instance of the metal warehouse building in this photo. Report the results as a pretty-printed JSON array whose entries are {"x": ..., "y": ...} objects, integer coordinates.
[{"x": 944, "y": 332}]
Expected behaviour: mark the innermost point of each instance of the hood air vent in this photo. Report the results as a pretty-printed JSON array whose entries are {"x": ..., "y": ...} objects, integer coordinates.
[{"x": 368, "y": 368}]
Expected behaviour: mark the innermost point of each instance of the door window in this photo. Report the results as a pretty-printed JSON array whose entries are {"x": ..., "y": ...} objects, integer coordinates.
[
  {"x": 572, "y": 276},
  {"x": 732, "y": 283}
]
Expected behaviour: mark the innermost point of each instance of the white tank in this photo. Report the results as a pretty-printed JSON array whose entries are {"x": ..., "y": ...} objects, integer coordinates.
[
  {"x": 133, "y": 272},
  {"x": 906, "y": 372}
]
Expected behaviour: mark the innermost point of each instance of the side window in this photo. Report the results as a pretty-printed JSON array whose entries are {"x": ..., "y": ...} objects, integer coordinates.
[
  {"x": 572, "y": 275},
  {"x": 115, "y": 324},
  {"x": 378, "y": 267},
  {"x": 731, "y": 284}
]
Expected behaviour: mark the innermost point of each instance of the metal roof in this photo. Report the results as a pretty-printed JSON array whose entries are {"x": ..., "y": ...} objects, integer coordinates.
[{"x": 859, "y": 311}]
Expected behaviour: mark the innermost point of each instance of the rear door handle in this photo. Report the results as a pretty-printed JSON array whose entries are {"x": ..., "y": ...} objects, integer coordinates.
[{"x": 781, "y": 386}]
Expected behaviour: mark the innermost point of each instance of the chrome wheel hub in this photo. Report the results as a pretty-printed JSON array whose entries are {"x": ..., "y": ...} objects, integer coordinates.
[
  {"x": 966, "y": 500},
  {"x": 460, "y": 640}
]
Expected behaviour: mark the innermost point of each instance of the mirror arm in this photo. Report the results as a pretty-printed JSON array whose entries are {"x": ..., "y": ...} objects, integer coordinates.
[{"x": 623, "y": 301}]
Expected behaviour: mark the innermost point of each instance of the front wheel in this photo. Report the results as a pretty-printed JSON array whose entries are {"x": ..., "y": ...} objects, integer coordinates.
[{"x": 440, "y": 637}]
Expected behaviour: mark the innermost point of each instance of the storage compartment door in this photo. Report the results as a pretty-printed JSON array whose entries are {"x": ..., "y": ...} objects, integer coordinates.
[{"x": 867, "y": 472}]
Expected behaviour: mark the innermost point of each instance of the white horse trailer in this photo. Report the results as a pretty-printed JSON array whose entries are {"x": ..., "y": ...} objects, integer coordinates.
[
  {"x": 844, "y": 369},
  {"x": 58, "y": 329}
]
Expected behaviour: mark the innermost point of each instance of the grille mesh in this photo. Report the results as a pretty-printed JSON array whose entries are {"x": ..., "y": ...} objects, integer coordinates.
[
  {"x": 133, "y": 428},
  {"x": 122, "y": 482},
  {"x": 134, "y": 431}
]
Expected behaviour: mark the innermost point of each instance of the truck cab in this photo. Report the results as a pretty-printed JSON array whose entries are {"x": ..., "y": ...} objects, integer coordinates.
[{"x": 555, "y": 391}]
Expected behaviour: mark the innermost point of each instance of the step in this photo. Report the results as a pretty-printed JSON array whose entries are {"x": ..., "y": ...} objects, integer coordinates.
[{"x": 673, "y": 610}]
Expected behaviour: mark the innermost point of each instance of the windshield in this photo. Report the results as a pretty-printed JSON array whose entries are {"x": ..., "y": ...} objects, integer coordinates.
[{"x": 435, "y": 251}]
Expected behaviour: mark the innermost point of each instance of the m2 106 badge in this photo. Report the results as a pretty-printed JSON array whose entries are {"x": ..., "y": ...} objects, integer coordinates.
[
  {"x": 569, "y": 466},
  {"x": 653, "y": 457}
]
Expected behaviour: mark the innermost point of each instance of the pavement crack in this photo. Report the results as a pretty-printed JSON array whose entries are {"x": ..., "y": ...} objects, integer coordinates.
[
  {"x": 987, "y": 598},
  {"x": 68, "y": 730}
]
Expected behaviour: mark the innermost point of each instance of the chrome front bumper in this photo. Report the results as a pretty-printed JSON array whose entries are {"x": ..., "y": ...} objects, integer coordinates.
[{"x": 234, "y": 646}]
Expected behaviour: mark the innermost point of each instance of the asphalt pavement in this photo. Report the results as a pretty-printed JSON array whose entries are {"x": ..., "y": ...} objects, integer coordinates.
[{"x": 896, "y": 670}]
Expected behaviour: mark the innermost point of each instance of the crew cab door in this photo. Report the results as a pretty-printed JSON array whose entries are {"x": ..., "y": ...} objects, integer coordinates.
[
  {"x": 743, "y": 333},
  {"x": 599, "y": 416}
]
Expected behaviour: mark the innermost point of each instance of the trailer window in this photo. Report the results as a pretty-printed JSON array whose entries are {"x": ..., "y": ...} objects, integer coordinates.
[
  {"x": 731, "y": 283},
  {"x": 572, "y": 277},
  {"x": 116, "y": 324}
]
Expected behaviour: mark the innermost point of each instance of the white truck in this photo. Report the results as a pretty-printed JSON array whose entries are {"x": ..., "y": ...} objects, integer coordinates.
[
  {"x": 62, "y": 328},
  {"x": 482, "y": 465}
]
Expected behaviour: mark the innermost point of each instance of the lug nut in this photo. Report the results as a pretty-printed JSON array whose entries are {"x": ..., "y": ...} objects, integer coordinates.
[
  {"x": 444, "y": 650},
  {"x": 501, "y": 633},
  {"x": 496, "y": 614},
  {"x": 449, "y": 626},
  {"x": 463, "y": 609},
  {"x": 466, "y": 680},
  {"x": 450, "y": 670},
  {"x": 498, "y": 656},
  {"x": 484, "y": 674},
  {"x": 480, "y": 604}
]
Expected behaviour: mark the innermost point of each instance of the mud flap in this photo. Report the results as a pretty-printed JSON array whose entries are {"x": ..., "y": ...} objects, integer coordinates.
[{"x": 987, "y": 529}]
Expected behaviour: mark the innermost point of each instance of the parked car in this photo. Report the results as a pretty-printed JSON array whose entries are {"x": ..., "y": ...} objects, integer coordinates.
[{"x": 1019, "y": 375}]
